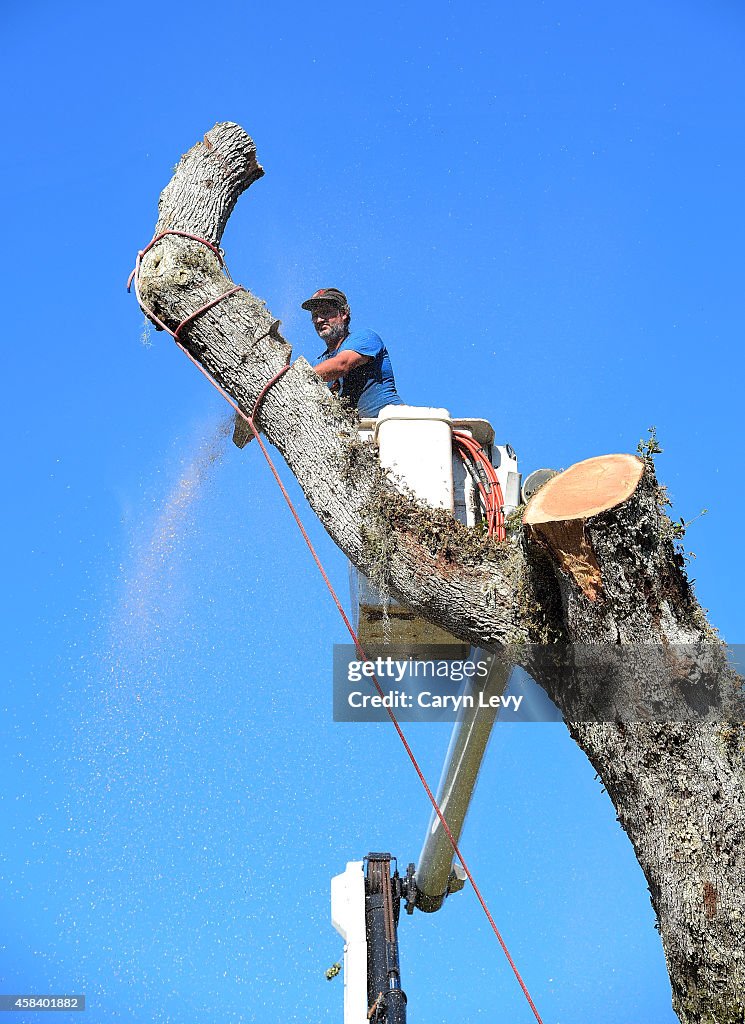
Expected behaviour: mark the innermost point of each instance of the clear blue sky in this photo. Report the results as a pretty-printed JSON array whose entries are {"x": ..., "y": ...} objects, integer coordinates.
[{"x": 539, "y": 208}]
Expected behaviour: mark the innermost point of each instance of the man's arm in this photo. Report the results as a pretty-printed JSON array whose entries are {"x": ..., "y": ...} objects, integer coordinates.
[{"x": 339, "y": 365}]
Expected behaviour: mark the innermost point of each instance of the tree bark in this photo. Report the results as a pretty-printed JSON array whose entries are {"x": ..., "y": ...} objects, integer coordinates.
[
  {"x": 591, "y": 587},
  {"x": 676, "y": 783}
]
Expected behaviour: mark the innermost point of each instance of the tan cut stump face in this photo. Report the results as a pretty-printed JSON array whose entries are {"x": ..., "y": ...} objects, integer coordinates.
[{"x": 586, "y": 489}]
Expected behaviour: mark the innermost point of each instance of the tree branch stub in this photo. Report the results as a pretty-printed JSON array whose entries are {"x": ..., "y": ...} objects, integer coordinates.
[{"x": 558, "y": 514}]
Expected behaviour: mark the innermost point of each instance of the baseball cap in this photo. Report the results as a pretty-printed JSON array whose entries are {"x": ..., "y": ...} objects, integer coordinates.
[{"x": 326, "y": 295}]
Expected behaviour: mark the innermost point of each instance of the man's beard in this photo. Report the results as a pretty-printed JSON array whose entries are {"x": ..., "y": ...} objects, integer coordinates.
[{"x": 334, "y": 334}]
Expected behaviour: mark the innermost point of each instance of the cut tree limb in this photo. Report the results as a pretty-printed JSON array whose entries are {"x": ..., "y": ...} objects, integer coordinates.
[{"x": 421, "y": 557}]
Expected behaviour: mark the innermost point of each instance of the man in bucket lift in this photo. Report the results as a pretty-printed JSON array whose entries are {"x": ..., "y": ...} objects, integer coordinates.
[{"x": 356, "y": 361}]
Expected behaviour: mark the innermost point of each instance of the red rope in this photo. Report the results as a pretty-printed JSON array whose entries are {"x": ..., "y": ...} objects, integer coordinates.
[
  {"x": 250, "y": 419},
  {"x": 394, "y": 720}
]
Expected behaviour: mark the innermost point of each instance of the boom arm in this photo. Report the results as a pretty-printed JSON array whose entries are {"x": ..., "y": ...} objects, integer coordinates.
[{"x": 365, "y": 904}]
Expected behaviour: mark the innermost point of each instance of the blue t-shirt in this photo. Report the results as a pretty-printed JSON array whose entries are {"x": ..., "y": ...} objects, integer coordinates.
[{"x": 371, "y": 386}]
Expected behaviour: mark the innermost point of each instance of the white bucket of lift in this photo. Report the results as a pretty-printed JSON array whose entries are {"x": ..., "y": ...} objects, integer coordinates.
[{"x": 416, "y": 446}]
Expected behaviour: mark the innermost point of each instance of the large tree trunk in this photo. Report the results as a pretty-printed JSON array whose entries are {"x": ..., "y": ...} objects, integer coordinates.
[
  {"x": 592, "y": 588},
  {"x": 676, "y": 782}
]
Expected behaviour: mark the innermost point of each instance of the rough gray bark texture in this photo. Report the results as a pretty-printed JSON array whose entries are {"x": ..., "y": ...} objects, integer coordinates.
[{"x": 677, "y": 788}]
